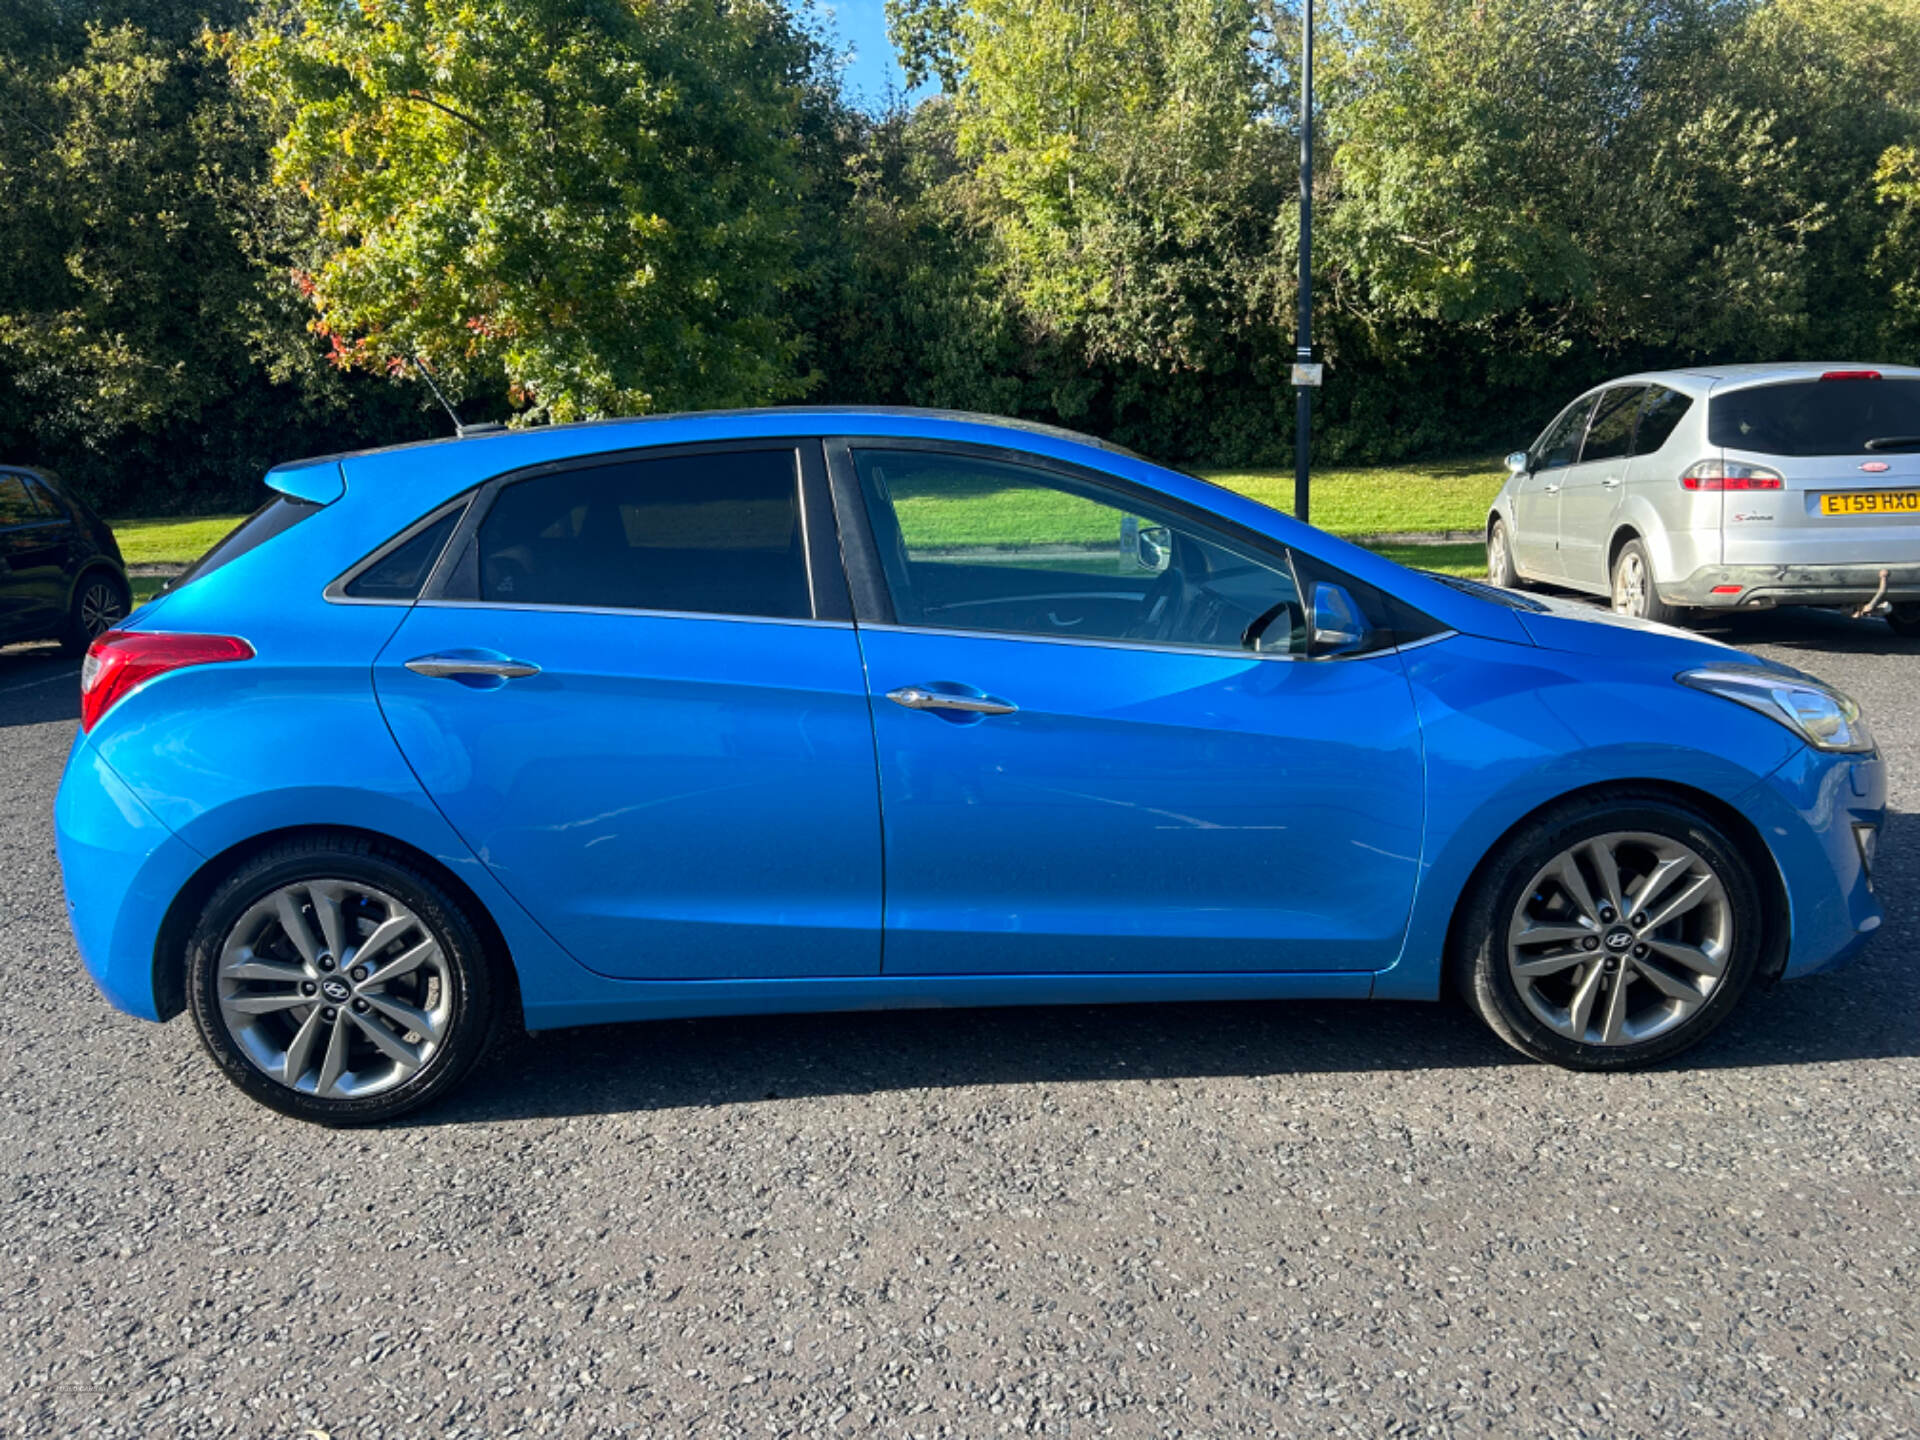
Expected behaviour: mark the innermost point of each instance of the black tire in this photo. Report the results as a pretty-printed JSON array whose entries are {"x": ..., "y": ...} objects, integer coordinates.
[
  {"x": 100, "y": 601},
  {"x": 1643, "y": 602},
  {"x": 1904, "y": 621},
  {"x": 1500, "y": 567},
  {"x": 471, "y": 986},
  {"x": 1478, "y": 962}
]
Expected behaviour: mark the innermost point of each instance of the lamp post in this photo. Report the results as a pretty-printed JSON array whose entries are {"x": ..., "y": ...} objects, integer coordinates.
[{"x": 1306, "y": 374}]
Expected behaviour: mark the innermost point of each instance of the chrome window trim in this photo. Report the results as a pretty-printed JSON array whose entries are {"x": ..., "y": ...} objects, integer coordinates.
[
  {"x": 336, "y": 591},
  {"x": 721, "y": 616},
  {"x": 1433, "y": 639},
  {"x": 1149, "y": 646}
]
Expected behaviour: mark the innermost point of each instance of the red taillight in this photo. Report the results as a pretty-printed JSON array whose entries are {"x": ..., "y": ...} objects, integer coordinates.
[
  {"x": 1729, "y": 475},
  {"x": 1726, "y": 589},
  {"x": 120, "y": 660},
  {"x": 1850, "y": 375}
]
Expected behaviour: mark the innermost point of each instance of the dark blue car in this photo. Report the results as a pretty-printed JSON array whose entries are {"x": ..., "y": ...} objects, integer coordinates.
[{"x": 801, "y": 710}]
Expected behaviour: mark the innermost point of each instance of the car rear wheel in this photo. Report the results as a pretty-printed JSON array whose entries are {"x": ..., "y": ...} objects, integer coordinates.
[
  {"x": 1633, "y": 592},
  {"x": 339, "y": 984},
  {"x": 1608, "y": 937},
  {"x": 100, "y": 602},
  {"x": 1905, "y": 621},
  {"x": 1500, "y": 567}
]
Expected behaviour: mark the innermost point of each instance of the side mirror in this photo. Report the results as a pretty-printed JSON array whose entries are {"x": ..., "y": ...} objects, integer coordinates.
[
  {"x": 1338, "y": 627},
  {"x": 1517, "y": 463},
  {"x": 1148, "y": 547}
]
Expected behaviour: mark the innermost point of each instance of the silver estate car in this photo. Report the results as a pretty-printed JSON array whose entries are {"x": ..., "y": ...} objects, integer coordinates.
[{"x": 1724, "y": 487}]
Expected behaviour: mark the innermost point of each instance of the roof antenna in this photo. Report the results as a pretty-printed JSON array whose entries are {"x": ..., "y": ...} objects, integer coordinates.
[{"x": 462, "y": 431}]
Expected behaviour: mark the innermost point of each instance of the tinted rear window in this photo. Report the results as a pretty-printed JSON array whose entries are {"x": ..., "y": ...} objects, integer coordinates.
[
  {"x": 1610, "y": 432},
  {"x": 705, "y": 533},
  {"x": 1817, "y": 417},
  {"x": 399, "y": 574},
  {"x": 1660, "y": 416},
  {"x": 278, "y": 515}
]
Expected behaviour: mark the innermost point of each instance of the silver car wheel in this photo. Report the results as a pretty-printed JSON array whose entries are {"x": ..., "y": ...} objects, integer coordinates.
[
  {"x": 1500, "y": 569},
  {"x": 100, "y": 609},
  {"x": 1630, "y": 585},
  {"x": 1620, "y": 938},
  {"x": 334, "y": 989}
]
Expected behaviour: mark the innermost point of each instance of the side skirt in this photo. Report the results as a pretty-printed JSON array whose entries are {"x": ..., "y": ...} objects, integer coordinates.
[{"x": 679, "y": 999}]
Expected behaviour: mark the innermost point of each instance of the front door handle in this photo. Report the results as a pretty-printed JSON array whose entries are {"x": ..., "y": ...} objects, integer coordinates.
[
  {"x": 917, "y": 697},
  {"x": 1549, "y": 489},
  {"x": 453, "y": 667}
]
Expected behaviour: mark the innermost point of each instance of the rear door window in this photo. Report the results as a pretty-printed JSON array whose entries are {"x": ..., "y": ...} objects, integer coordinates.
[
  {"x": 45, "y": 506},
  {"x": 705, "y": 533},
  {"x": 402, "y": 570},
  {"x": 1818, "y": 417},
  {"x": 1560, "y": 445},
  {"x": 1660, "y": 415},
  {"x": 16, "y": 505},
  {"x": 1610, "y": 435}
]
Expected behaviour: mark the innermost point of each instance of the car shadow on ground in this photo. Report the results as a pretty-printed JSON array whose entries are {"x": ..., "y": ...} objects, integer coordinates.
[
  {"x": 38, "y": 685},
  {"x": 1798, "y": 628},
  {"x": 1869, "y": 1011}
]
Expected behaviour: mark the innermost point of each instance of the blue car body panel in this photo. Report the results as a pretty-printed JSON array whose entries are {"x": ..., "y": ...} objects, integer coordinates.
[
  {"x": 1144, "y": 810},
  {"x": 794, "y": 842},
  {"x": 122, "y": 868},
  {"x": 671, "y": 797}
]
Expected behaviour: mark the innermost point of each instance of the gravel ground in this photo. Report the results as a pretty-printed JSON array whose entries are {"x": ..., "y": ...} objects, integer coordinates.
[{"x": 1188, "y": 1220}]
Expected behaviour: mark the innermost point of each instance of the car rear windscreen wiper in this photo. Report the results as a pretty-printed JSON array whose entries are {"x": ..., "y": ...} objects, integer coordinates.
[{"x": 1894, "y": 442}]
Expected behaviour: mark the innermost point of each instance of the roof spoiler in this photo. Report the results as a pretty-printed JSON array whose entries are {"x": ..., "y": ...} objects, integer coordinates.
[{"x": 320, "y": 481}]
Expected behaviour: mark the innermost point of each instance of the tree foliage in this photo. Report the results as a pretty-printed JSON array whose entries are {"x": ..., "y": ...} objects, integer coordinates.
[
  {"x": 230, "y": 225},
  {"x": 593, "y": 204}
]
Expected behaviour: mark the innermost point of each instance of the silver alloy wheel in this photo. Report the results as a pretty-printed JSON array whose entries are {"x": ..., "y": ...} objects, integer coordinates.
[
  {"x": 334, "y": 989},
  {"x": 100, "y": 609},
  {"x": 1630, "y": 585},
  {"x": 1620, "y": 938},
  {"x": 1499, "y": 557}
]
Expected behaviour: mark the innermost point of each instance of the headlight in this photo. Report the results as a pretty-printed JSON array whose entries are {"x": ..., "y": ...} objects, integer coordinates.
[{"x": 1817, "y": 713}]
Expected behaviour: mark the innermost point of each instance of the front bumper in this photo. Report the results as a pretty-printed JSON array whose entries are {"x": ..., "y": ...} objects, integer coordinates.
[
  {"x": 121, "y": 868},
  {"x": 1759, "y": 586},
  {"x": 1808, "y": 811}
]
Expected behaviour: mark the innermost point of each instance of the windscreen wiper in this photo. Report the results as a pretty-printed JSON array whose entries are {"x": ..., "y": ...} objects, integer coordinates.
[{"x": 1894, "y": 442}]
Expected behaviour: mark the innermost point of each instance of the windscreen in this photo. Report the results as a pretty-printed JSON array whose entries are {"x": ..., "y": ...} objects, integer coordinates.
[{"x": 1818, "y": 417}]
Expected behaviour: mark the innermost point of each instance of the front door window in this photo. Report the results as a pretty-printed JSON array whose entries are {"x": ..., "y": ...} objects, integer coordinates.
[{"x": 968, "y": 543}]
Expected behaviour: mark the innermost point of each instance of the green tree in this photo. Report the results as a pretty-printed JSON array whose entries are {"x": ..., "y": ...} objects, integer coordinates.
[
  {"x": 118, "y": 309},
  {"x": 591, "y": 206}
]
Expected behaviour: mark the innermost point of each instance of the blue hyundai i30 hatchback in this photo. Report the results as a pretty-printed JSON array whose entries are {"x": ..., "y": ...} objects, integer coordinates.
[{"x": 804, "y": 710}]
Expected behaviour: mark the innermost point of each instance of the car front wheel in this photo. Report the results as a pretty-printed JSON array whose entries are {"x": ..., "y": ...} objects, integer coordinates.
[
  {"x": 1603, "y": 938},
  {"x": 337, "y": 983},
  {"x": 1500, "y": 567}
]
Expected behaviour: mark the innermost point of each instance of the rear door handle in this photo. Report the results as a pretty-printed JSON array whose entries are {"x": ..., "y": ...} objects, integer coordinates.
[
  {"x": 1612, "y": 482},
  {"x": 916, "y": 697},
  {"x": 452, "y": 667}
]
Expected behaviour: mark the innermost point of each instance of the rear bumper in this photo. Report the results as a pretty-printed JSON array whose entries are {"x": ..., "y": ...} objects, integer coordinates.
[
  {"x": 121, "y": 868},
  {"x": 1759, "y": 586}
]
